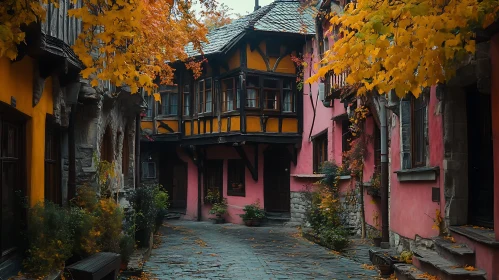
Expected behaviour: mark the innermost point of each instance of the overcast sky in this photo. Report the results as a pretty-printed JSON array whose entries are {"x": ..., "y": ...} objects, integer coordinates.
[{"x": 243, "y": 7}]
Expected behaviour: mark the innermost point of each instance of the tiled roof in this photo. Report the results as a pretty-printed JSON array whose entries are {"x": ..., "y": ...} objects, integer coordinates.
[{"x": 282, "y": 16}]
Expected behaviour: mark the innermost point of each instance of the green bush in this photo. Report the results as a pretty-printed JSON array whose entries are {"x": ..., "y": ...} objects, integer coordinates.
[
  {"x": 252, "y": 211},
  {"x": 127, "y": 245},
  {"x": 161, "y": 199},
  {"x": 143, "y": 201},
  {"x": 334, "y": 238},
  {"x": 219, "y": 208},
  {"x": 50, "y": 238}
]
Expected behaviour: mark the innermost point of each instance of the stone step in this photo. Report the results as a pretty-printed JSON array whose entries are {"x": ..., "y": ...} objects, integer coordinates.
[
  {"x": 276, "y": 221},
  {"x": 405, "y": 271},
  {"x": 431, "y": 262},
  {"x": 457, "y": 253},
  {"x": 173, "y": 216}
]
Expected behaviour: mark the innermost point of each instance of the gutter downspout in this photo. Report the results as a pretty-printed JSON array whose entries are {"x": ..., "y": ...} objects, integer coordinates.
[
  {"x": 137, "y": 150},
  {"x": 384, "y": 170}
]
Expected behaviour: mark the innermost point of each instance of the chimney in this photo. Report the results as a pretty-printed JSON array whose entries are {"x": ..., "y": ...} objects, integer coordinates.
[{"x": 256, "y": 5}]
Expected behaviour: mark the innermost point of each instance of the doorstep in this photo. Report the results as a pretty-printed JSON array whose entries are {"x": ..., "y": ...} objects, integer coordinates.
[{"x": 481, "y": 235}]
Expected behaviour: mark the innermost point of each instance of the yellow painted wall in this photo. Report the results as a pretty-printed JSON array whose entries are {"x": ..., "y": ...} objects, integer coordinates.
[
  {"x": 16, "y": 80},
  {"x": 224, "y": 125},
  {"x": 235, "y": 60},
  {"x": 272, "y": 125},
  {"x": 286, "y": 65},
  {"x": 195, "y": 127},
  {"x": 216, "y": 128},
  {"x": 201, "y": 127},
  {"x": 208, "y": 127},
  {"x": 146, "y": 124},
  {"x": 235, "y": 123},
  {"x": 253, "y": 124},
  {"x": 290, "y": 125},
  {"x": 171, "y": 123},
  {"x": 255, "y": 60},
  {"x": 187, "y": 128}
]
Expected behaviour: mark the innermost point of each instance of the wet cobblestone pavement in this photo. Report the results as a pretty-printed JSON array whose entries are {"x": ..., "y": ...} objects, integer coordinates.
[{"x": 202, "y": 250}]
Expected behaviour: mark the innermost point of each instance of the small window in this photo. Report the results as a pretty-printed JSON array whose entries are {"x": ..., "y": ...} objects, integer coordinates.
[
  {"x": 252, "y": 91},
  {"x": 419, "y": 132},
  {"x": 150, "y": 105},
  {"x": 149, "y": 170},
  {"x": 273, "y": 49},
  {"x": 235, "y": 177},
  {"x": 169, "y": 100},
  {"x": 213, "y": 177},
  {"x": 288, "y": 97},
  {"x": 204, "y": 96},
  {"x": 187, "y": 101},
  {"x": 320, "y": 151},
  {"x": 271, "y": 94},
  {"x": 229, "y": 97}
]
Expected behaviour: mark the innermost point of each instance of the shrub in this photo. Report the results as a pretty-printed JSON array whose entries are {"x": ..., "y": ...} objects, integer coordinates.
[
  {"x": 142, "y": 201},
  {"x": 98, "y": 223},
  {"x": 334, "y": 238},
  {"x": 127, "y": 245},
  {"x": 219, "y": 208},
  {"x": 212, "y": 196},
  {"x": 161, "y": 199},
  {"x": 50, "y": 239},
  {"x": 252, "y": 211}
]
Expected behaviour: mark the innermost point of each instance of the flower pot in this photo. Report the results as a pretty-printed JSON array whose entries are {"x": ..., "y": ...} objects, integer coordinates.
[
  {"x": 385, "y": 270},
  {"x": 252, "y": 222},
  {"x": 377, "y": 241},
  {"x": 143, "y": 237},
  {"x": 123, "y": 265},
  {"x": 219, "y": 220}
]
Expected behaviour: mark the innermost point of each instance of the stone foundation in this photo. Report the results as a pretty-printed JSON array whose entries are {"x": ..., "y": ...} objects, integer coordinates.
[
  {"x": 401, "y": 243},
  {"x": 350, "y": 213},
  {"x": 300, "y": 202}
]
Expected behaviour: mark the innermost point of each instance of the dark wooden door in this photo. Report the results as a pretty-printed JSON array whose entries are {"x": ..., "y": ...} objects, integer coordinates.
[
  {"x": 179, "y": 195},
  {"x": 480, "y": 164},
  {"x": 276, "y": 180}
]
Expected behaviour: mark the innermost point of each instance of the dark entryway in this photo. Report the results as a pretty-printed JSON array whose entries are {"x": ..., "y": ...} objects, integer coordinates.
[
  {"x": 276, "y": 179},
  {"x": 480, "y": 164},
  {"x": 173, "y": 178}
]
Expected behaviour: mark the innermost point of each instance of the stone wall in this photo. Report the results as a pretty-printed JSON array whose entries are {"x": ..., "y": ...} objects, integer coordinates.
[
  {"x": 350, "y": 214},
  {"x": 401, "y": 243},
  {"x": 91, "y": 122},
  {"x": 300, "y": 202}
]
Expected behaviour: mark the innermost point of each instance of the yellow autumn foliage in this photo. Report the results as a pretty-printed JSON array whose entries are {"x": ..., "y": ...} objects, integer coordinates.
[{"x": 403, "y": 45}]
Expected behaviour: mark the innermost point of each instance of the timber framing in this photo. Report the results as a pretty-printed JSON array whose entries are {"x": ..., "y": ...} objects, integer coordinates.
[{"x": 253, "y": 168}]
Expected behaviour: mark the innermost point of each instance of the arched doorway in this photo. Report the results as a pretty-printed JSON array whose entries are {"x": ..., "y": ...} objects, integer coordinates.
[{"x": 106, "y": 148}]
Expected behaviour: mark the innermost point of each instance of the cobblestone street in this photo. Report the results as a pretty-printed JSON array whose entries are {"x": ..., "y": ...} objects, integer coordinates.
[{"x": 202, "y": 250}]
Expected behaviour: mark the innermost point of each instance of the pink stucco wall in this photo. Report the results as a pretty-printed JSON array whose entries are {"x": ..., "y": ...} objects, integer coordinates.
[
  {"x": 411, "y": 207},
  {"x": 254, "y": 189}
]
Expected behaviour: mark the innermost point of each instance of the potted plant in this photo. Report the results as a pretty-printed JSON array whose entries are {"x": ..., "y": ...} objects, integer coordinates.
[
  {"x": 253, "y": 215},
  {"x": 219, "y": 209},
  {"x": 212, "y": 196},
  {"x": 373, "y": 189},
  {"x": 161, "y": 202}
]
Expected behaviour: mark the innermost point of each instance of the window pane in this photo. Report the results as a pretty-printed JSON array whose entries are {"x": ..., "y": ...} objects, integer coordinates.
[
  {"x": 270, "y": 83},
  {"x": 187, "y": 101},
  {"x": 252, "y": 98},
  {"x": 165, "y": 103},
  {"x": 271, "y": 100},
  {"x": 173, "y": 104},
  {"x": 235, "y": 177},
  {"x": 288, "y": 105},
  {"x": 208, "y": 101},
  {"x": 286, "y": 84},
  {"x": 252, "y": 81},
  {"x": 228, "y": 94}
]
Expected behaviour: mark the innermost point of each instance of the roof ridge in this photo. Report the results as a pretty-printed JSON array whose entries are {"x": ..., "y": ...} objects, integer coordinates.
[{"x": 261, "y": 13}]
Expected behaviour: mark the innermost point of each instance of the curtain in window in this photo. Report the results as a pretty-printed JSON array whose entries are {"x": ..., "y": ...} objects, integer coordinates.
[{"x": 251, "y": 98}]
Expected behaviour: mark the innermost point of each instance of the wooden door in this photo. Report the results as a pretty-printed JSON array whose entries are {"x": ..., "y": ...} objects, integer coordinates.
[
  {"x": 276, "y": 180},
  {"x": 480, "y": 164},
  {"x": 180, "y": 185}
]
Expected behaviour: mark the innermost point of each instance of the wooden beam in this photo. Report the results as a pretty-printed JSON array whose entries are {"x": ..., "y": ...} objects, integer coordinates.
[{"x": 252, "y": 168}]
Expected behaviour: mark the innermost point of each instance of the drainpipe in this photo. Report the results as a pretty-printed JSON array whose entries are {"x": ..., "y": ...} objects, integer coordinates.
[
  {"x": 71, "y": 155},
  {"x": 384, "y": 171},
  {"x": 257, "y": 6},
  {"x": 137, "y": 150}
]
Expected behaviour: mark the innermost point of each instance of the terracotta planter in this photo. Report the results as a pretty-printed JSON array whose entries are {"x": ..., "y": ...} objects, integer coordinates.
[
  {"x": 252, "y": 222},
  {"x": 219, "y": 220},
  {"x": 385, "y": 270},
  {"x": 377, "y": 241}
]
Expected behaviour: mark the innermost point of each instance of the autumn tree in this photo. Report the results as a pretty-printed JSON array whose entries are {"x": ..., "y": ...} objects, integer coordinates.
[
  {"x": 129, "y": 43},
  {"x": 403, "y": 45},
  {"x": 14, "y": 15},
  {"x": 218, "y": 18}
]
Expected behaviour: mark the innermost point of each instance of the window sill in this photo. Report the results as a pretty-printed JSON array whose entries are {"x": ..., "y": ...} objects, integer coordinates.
[
  {"x": 418, "y": 174},
  {"x": 166, "y": 117},
  {"x": 308, "y": 175},
  {"x": 236, "y": 194}
]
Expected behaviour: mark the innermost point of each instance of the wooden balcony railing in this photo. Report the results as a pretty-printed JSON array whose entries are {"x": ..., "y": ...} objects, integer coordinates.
[{"x": 334, "y": 84}]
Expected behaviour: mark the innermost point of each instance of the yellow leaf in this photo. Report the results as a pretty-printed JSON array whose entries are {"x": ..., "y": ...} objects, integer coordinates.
[
  {"x": 157, "y": 97},
  {"x": 94, "y": 83}
]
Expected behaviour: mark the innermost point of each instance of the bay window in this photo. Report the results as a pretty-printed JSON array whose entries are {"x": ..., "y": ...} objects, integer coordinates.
[
  {"x": 252, "y": 91},
  {"x": 288, "y": 104},
  {"x": 169, "y": 100},
  {"x": 229, "y": 96},
  {"x": 271, "y": 94},
  {"x": 204, "y": 96},
  {"x": 187, "y": 100}
]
